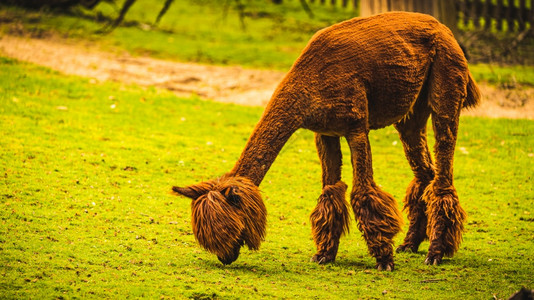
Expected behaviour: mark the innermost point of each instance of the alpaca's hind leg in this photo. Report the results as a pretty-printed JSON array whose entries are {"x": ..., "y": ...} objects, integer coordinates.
[
  {"x": 330, "y": 218},
  {"x": 412, "y": 132},
  {"x": 376, "y": 211},
  {"x": 445, "y": 215},
  {"x": 448, "y": 79}
]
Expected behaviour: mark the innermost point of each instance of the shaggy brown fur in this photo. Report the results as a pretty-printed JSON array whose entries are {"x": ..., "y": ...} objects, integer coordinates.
[
  {"x": 445, "y": 226},
  {"x": 379, "y": 220},
  {"x": 226, "y": 213},
  {"x": 416, "y": 215},
  {"x": 362, "y": 74},
  {"x": 329, "y": 219}
]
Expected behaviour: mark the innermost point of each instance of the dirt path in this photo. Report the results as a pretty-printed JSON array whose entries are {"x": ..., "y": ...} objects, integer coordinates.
[{"x": 225, "y": 84}]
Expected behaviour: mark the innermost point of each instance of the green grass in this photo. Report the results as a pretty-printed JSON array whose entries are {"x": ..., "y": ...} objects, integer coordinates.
[
  {"x": 85, "y": 209},
  {"x": 503, "y": 75},
  {"x": 273, "y": 36}
]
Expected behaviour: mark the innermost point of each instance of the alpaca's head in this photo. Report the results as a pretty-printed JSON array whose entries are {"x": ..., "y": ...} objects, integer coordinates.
[{"x": 226, "y": 213}]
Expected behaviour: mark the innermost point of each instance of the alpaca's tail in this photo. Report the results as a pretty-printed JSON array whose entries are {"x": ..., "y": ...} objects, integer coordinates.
[{"x": 473, "y": 93}]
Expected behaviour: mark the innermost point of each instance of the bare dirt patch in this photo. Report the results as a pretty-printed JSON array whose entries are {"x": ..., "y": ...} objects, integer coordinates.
[{"x": 225, "y": 84}]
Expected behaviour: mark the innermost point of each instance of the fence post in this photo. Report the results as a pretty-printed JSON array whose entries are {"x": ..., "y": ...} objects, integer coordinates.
[
  {"x": 448, "y": 14},
  {"x": 509, "y": 13},
  {"x": 475, "y": 13},
  {"x": 520, "y": 14},
  {"x": 486, "y": 16},
  {"x": 371, "y": 7},
  {"x": 498, "y": 14},
  {"x": 462, "y": 7}
]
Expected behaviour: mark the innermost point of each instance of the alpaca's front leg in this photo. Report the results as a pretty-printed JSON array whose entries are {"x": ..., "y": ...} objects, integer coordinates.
[
  {"x": 376, "y": 211},
  {"x": 330, "y": 218}
]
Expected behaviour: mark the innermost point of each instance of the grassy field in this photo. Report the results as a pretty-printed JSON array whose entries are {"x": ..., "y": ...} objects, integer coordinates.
[
  {"x": 85, "y": 209},
  {"x": 199, "y": 31}
]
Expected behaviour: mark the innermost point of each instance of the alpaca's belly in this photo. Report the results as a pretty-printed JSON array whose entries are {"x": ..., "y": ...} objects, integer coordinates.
[
  {"x": 332, "y": 123},
  {"x": 380, "y": 117},
  {"x": 334, "y": 128},
  {"x": 337, "y": 116},
  {"x": 339, "y": 122},
  {"x": 390, "y": 106}
]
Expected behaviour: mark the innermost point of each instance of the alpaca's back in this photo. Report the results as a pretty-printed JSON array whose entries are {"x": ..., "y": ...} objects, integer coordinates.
[{"x": 383, "y": 59}]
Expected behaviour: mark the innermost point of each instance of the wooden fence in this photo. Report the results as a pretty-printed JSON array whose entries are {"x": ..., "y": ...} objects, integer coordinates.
[
  {"x": 500, "y": 15},
  {"x": 441, "y": 9},
  {"x": 342, "y": 3}
]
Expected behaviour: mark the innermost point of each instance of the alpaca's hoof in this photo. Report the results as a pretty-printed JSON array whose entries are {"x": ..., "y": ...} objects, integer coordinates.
[
  {"x": 433, "y": 259},
  {"x": 385, "y": 266},
  {"x": 322, "y": 259},
  {"x": 408, "y": 248}
]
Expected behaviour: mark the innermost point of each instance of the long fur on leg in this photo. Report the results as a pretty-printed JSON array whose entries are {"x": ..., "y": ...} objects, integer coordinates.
[
  {"x": 330, "y": 220},
  {"x": 416, "y": 207},
  {"x": 445, "y": 222},
  {"x": 379, "y": 220}
]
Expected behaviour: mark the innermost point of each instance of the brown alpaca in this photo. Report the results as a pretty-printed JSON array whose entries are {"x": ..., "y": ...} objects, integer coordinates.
[{"x": 366, "y": 73}]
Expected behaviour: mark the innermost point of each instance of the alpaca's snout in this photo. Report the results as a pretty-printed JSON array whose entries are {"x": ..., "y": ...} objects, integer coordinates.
[{"x": 231, "y": 256}]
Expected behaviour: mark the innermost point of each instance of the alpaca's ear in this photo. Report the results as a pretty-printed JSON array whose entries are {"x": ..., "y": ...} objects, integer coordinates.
[{"x": 190, "y": 191}]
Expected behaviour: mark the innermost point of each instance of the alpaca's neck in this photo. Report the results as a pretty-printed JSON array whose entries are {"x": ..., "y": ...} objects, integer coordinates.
[{"x": 279, "y": 121}]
